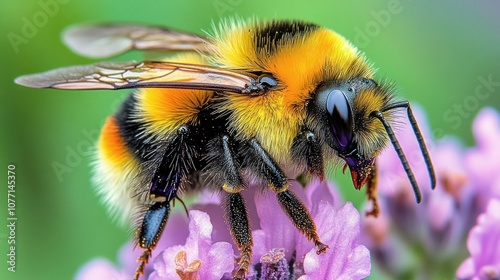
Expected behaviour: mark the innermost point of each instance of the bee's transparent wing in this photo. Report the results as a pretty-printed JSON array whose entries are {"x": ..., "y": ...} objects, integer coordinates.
[
  {"x": 99, "y": 41},
  {"x": 152, "y": 74}
]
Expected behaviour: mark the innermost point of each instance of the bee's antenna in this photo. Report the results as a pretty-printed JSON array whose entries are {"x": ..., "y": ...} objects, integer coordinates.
[
  {"x": 401, "y": 154},
  {"x": 399, "y": 151},
  {"x": 418, "y": 135}
]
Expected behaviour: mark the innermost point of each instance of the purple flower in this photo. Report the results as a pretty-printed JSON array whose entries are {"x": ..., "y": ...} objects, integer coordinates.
[
  {"x": 199, "y": 258},
  {"x": 346, "y": 259},
  {"x": 429, "y": 236},
  {"x": 446, "y": 213},
  {"x": 279, "y": 249},
  {"x": 278, "y": 245},
  {"x": 483, "y": 161},
  {"x": 436, "y": 226},
  {"x": 198, "y": 242},
  {"x": 338, "y": 228},
  {"x": 175, "y": 233},
  {"x": 484, "y": 246},
  {"x": 274, "y": 265},
  {"x": 100, "y": 269}
]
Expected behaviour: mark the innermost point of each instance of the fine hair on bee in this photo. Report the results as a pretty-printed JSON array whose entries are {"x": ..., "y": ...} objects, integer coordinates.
[{"x": 266, "y": 100}]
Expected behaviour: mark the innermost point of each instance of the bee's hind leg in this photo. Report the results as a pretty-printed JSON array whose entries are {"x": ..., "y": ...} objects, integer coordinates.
[
  {"x": 236, "y": 215},
  {"x": 164, "y": 186},
  {"x": 150, "y": 232}
]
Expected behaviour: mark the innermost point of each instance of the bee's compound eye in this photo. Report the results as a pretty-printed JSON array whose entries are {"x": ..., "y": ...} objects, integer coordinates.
[{"x": 340, "y": 114}]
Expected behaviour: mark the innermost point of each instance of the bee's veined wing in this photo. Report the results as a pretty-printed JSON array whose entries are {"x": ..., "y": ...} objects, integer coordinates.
[
  {"x": 99, "y": 41},
  {"x": 152, "y": 74}
]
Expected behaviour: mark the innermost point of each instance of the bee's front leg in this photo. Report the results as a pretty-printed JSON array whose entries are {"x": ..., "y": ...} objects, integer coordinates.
[
  {"x": 306, "y": 151},
  {"x": 371, "y": 191}
]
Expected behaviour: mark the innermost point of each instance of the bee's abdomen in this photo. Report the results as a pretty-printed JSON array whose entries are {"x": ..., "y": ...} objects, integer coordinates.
[
  {"x": 113, "y": 146},
  {"x": 116, "y": 169},
  {"x": 131, "y": 129}
]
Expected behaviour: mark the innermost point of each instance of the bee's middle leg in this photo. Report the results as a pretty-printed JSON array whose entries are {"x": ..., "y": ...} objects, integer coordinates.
[
  {"x": 296, "y": 211},
  {"x": 225, "y": 170}
]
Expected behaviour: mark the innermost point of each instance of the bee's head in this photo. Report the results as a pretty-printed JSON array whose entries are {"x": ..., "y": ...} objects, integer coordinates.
[
  {"x": 352, "y": 118},
  {"x": 348, "y": 124}
]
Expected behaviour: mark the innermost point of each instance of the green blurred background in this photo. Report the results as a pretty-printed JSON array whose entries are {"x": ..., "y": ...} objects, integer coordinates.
[{"x": 437, "y": 53}]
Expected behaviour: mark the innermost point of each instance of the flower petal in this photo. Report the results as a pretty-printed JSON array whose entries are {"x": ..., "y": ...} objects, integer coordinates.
[
  {"x": 345, "y": 259},
  {"x": 175, "y": 233},
  {"x": 220, "y": 231},
  {"x": 164, "y": 264},
  {"x": 483, "y": 244},
  {"x": 199, "y": 240},
  {"x": 211, "y": 261},
  {"x": 100, "y": 269},
  {"x": 466, "y": 269},
  {"x": 317, "y": 191},
  {"x": 278, "y": 229},
  {"x": 218, "y": 261},
  {"x": 486, "y": 127}
]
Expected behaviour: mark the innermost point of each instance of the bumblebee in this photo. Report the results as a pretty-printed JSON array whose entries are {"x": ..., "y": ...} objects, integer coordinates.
[{"x": 257, "y": 100}]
